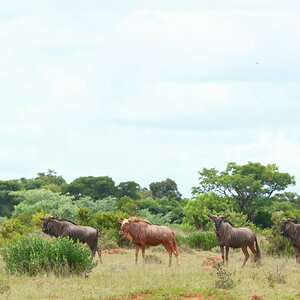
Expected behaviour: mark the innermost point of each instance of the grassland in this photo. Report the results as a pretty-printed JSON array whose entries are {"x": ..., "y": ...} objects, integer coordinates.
[{"x": 119, "y": 278}]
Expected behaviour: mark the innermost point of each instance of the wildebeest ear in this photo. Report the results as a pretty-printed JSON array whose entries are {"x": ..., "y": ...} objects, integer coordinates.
[
  {"x": 210, "y": 216},
  {"x": 227, "y": 216},
  {"x": 120, "y": 221},
  {"x": 43, "y": 219},
  {"x": 294, "y": 220}
]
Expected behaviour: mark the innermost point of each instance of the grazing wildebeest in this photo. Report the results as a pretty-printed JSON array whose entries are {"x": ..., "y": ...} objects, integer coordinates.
[
  {"x": 64, "y": 228},
  {"x": 143, "y": 233},
  {"x": 229, "y": 236},
  {"x": 292, "y": 231}
]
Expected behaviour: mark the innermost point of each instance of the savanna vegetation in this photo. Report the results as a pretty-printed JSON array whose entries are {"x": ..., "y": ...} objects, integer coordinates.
[{"x": 254, "y": 195}]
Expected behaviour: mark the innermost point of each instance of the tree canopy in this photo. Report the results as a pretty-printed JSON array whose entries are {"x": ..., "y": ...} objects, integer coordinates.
[
  {"x": 166, "y": 188},
  {"x": 94, "y": 187},
  {"x": 251, "y": 186}
]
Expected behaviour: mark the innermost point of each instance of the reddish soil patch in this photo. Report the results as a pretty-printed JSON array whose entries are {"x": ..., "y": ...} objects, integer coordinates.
[
  {"x": 113, "y": 251},
  {"x": 198, "y": 297},
  {"x": 210, "y": 261},
  {"x": 256, "y": 297}
]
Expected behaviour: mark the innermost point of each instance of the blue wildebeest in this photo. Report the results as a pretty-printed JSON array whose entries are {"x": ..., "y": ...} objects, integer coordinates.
[
  {"x": 64, "y": 228},
  {"x": 292, "y": 231},
  {"x": 143, "y": 233},
  {"x": 231, "y": 237}
]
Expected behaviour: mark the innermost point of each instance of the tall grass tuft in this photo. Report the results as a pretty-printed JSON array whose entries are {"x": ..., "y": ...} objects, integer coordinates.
[{"x": 34, "y": 256}]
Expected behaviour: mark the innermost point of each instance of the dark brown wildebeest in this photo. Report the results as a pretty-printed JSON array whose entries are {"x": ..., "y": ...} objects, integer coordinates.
[
  {"x": 64, "y": 228},
  {"x": 292, "y": 231},
  {"x": 231, "y": 237},
  {"x": 143, "y": 233}
]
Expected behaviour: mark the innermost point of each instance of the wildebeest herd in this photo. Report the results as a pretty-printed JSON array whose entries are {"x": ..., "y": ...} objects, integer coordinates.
[{"x": 143, "y": 233}]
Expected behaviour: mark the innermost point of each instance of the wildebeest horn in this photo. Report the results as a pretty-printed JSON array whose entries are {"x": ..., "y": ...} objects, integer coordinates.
[
  {"x": 120, "y": 221},
  {"x": 210, "y": 216},
  {"x": 43, "y": 219}
]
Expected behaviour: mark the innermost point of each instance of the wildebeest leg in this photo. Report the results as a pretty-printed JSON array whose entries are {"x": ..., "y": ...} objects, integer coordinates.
[
  {"x": 222, "y": 253},
  {"x": 254, "y": 252},
  {"x": 99, "y": 254},
  {"x": 297, "y": 254},
  {"x": 245, "y": 251},
  {"x": 226, "y": 257},
  {"x": 170, "y": 258},
  {"x": 169, "y": 248},
  {"x": 137, "y": 248},
  {"x": 143, "y": 253}
]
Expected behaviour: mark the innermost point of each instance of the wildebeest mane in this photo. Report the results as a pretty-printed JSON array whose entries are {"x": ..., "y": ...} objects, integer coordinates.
[
  {"x": 138, "y": 219},
  {"x": 69, "y": 222},
  {"x": 230, "y": 223}
]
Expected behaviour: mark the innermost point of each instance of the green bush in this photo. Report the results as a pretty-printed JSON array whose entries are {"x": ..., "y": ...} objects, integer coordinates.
[
  {"x": 200, "y": 240},
  {"x": 277, "y": 244},
  {"x": 32, "y": 256},
  {"x": 12, "y": 229}
]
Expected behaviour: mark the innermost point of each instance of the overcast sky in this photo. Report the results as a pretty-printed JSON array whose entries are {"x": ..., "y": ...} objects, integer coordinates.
[{"x": 148, "y": 90}]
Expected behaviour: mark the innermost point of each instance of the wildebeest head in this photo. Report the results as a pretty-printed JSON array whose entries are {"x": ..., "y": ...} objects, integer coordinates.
[
  {"x": 125, "y": 227},
  {"x": 218, "y": 221},
  {"x": 286, "y": 224},
  {"x": 47, "y": 222}
]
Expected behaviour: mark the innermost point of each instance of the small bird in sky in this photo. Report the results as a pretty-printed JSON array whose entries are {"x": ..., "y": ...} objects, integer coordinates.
[{"x": 257, "y": 62}]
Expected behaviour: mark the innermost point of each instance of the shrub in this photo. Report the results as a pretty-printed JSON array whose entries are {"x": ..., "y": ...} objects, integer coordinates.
[
  {"x": 32, "y": 256},
  {"x": 200, "y": 240},
  {"x": 224, "y": 278},
  {"x": 11, "y": 229},
  {"x": 276, "y": 243}
]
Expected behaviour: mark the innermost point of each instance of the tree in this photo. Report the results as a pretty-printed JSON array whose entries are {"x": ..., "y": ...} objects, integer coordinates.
[
  {"x": 251, "y": 186},
  {"x": 6, "y": 201},
  {"x": 127, "y": 205},
  {"x": 49, "y": 180},
  {"x": 167, "y": 188},
  {"x": 197, "y": 209},
  {"x": 129, "y": 188},
  {"x": 38, "y": 200},
  {"x": 94, "y": 187}
]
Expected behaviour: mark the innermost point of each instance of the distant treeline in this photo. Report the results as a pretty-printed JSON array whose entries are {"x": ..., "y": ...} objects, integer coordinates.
[{"x": 253, "y": 194}]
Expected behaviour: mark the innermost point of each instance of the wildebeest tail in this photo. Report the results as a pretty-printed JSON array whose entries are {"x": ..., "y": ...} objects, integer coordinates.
[{"x": 257, "y": 249}]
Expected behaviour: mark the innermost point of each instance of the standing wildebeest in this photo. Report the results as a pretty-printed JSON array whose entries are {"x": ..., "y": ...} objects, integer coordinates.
[
  {"x": 84, "y": 234},
  {"x": 228, "y": 236},
  {"x": 292, "y": 231},
  {"x": 143, "y": 233}
]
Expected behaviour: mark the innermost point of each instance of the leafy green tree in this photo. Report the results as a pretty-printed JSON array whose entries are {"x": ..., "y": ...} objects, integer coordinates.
[
  {"x": 251, "y": 186},
  {"x": 127, "y": 205},
  {"x": 94, "y": 187},
  {"x": 157, "y": 219},
  {"x": 32, "y": 201},
  {"x": 108, "y": 204},
  {"x": 197, "y": 209},
  {"x": 6, "y": 201},
  {"x": 152, "y": 205},
  {"x": 167, "y": 188},
  {"x": 129, "y": 188},
  {"x": 49, "y": 180}
]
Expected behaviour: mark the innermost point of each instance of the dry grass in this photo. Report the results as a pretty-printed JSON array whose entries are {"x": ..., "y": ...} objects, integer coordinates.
[{"x": 119, "y": 278}]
